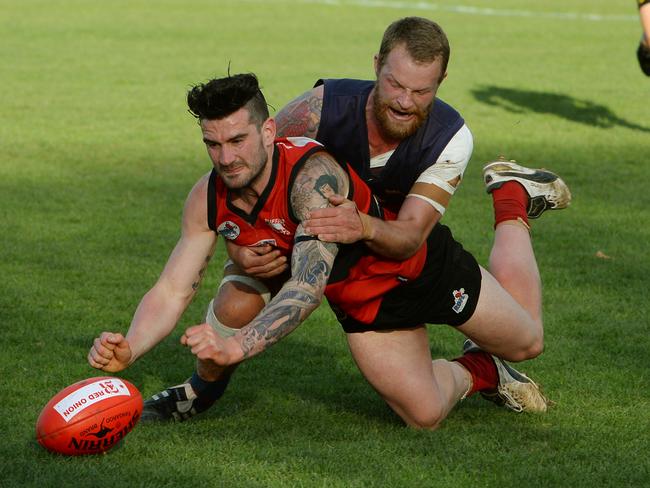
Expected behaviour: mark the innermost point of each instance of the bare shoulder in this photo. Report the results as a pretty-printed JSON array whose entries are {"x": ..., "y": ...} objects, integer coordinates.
[
  {"x": 319, "y": 178},
  {"x": 195, "y": 212},
  {"x": 301, "y": 116}
]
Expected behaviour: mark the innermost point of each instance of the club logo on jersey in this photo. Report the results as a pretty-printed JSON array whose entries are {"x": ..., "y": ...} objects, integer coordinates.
[
  {"x": 278, "y": 226},
  {"x": 229, "y": 230},
  {"x": 265, "y": 242},
  {"x": 460, "y": 300}
]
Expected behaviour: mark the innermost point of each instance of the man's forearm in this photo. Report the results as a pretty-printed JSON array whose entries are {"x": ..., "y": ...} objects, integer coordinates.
[
  {"x": 311, "y": 265},
  {"x": 396, "y": 239},
  {"x": 297, "y": 299},
  {"x": 154, "y": 319},
  {"x": 290, "y": 307}
]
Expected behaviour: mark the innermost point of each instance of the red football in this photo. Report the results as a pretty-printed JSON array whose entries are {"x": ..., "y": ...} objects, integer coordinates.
[{"x": 89, "y": 417}]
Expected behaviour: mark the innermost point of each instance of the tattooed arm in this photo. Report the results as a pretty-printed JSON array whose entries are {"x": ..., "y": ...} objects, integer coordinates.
[
  {"x": 162, "y": 306},
  {"x": 301, "y": 116},
  {"x": 311, "y": 264}
]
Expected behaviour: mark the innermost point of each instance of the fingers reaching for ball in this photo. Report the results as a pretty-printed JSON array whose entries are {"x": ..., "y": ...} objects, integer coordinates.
[{"x": 109, "y": 352}]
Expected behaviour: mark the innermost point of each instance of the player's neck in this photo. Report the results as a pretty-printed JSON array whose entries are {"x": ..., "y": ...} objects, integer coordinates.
[{"x": 244, "y": 199}]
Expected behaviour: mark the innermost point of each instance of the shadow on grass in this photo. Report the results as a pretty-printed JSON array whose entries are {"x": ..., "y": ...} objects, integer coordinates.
[
  {"x": 322, "y": 377},
  {"x": 574, "y": 109}
]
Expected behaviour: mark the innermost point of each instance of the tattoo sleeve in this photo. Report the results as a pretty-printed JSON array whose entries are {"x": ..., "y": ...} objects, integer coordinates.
[
  {"x": 311, "y": 263},
  {"x": 300, "y": 117}
]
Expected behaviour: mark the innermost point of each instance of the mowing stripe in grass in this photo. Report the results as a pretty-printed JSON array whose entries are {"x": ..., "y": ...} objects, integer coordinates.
[{"x": 472, "y": 10}]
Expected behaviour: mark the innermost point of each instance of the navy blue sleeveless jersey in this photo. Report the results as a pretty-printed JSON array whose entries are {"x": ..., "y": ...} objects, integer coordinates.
[{"x": 343, "y": 131}]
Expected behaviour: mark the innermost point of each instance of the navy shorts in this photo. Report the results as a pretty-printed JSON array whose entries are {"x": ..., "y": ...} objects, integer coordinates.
[{"x": 446, "y": 292}]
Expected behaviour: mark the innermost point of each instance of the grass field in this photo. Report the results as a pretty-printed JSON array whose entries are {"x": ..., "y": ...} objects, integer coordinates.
[{"x": 97, "y": 154}]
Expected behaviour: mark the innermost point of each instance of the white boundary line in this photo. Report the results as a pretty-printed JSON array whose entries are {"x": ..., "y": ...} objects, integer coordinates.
[{"x": 472, "y": 10}]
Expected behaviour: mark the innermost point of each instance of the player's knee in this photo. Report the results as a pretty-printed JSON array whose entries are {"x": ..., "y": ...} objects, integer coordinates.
[
  {"x": 536, "y": 348},
  {"x": 536, "y": 344},
  {"x": 235, "y": 317},
  {"x": 236, "y": 305},
  {"x": 425, "y": 419},
  {"x": 533, "y": 348}
]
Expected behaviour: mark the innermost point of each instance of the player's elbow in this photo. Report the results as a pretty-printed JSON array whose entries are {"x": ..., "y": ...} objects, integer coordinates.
[
  {"x": 412, "y": 240},
  {"x": 414, "y": 244},
  {"x": 402, "y": 250},
  {"x": 410, "y": 247}
]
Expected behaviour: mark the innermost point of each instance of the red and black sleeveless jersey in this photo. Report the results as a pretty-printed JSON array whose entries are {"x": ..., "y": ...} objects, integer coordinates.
[
  {"x": 359, "y": 278},
  {"x": 271, "y": 221}
]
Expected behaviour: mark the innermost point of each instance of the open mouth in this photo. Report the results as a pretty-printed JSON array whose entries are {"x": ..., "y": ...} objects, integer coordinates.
[{"x": 399, "y": 115}]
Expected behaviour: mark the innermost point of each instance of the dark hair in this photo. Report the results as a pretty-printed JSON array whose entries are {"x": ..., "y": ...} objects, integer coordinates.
[
  {"x": 422, "y": 38},
  {"x": 221, "y": 97}
]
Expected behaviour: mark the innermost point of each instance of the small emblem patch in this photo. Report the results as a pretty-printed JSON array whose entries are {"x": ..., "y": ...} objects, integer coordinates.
[
  {"x": 229, "y": 230},
  {"x": 265, "y": 242},
  {"x": 460, "y": 299},
  {"x": 277, "y": 225}
]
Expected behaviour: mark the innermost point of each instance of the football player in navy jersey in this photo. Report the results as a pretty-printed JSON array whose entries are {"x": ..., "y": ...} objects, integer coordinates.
[
  {"x": 394, "y": 133},
  {"x": 412, "y": 149},
  {"x": 262, "y": 190}
]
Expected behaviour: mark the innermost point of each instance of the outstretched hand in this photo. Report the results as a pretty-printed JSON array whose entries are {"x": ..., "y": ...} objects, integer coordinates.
[
  {"x": 110, "y": 352},
  {"x": 342, "y": 223}
]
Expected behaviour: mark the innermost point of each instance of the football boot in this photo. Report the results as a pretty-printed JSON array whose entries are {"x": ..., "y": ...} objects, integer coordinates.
[
  {"x": 177, "y": 403},
  {"x": 546, "y": 190},
  {"x": 515, "y": 390}
]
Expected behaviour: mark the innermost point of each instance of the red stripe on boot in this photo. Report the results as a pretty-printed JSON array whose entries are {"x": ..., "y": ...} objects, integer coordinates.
[
  {"x": 510, "y": 202},
  {"x": 483, "y": 370}
]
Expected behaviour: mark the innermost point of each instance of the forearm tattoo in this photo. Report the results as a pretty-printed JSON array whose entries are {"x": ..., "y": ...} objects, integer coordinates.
[
  {"x": 301, "y": 117},
  {"x": 311, "y": 260},
  {"x": 301, "y": 295},
  {"x": 197, "y": 283}
]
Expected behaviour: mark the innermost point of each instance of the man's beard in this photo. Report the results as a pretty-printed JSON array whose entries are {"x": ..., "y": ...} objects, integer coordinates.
[
  {"x": 238, "y": 183},
  {"x": 390, "y": 127}
]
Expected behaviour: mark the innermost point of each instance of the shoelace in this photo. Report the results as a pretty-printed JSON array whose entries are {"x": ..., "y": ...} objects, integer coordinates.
[
  {"x": 524, "y": 396},
  {"x": 512, "y": 402}
]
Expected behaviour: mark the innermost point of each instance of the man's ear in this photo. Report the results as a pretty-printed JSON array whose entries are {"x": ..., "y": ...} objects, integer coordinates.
[
  {"x": 375, "y": 63},
  {"x": 269, "y": 130}
]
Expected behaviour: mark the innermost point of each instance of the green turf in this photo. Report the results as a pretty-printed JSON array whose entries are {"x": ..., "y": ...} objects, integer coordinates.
[{"x": 97, "y": 154}]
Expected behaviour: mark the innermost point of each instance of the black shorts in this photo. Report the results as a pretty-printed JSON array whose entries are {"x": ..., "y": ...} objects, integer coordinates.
[{"x": 446, "y": 292}]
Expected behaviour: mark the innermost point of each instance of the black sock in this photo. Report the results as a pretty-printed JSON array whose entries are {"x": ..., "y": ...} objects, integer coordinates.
[{"x": 207, "y": 392}]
